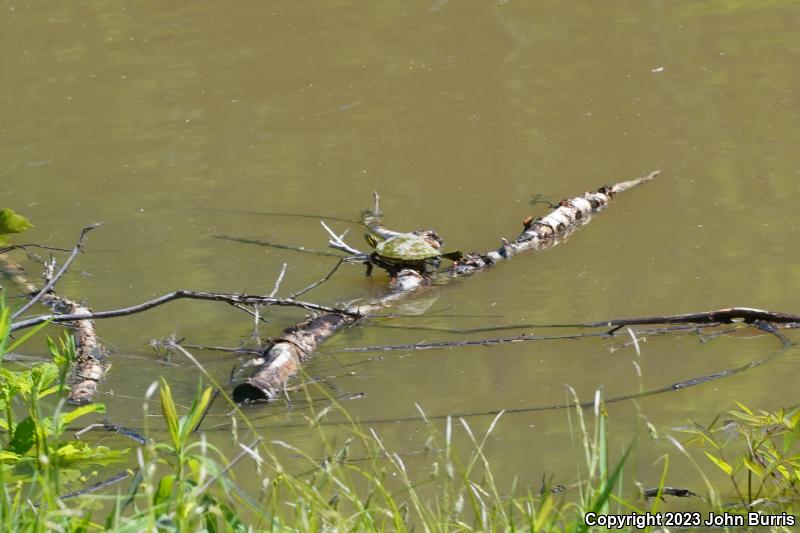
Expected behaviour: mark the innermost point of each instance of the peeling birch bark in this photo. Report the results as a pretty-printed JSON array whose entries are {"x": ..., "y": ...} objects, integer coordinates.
[
  {"x": 281, "y": 361},
  {"x": 544, "y": 232},
  {"x": 90, "y": 365},
  {"x": 284, "y": 357}
]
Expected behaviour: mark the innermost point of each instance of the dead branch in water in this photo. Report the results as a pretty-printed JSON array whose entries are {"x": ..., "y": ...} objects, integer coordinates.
[
  {"x": 283, "y": 358},
  {"x": 52, "y": 281},
  {"x": 720, "y": 316},
  {"x": 673, "y": 387},
  {"x": 764, "y": 320},
  {"x": 479, "y": 342},
  {"x": 231, "y": 298},
  {"x": 731, "y": 315},
  {"x": 90, "y": 365},
  {"x": 25, "y": 246}
]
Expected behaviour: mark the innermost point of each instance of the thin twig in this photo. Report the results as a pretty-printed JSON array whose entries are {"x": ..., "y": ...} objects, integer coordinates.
[
  {"x": 319, "y": 282},
  {"x": 480, "y": 342},
  {"x": 278, "y": 281},
  {"x": 249, "y": 299},
  {"x": 246, "y": 451},
  {"x": 271, "y": 244},
  {"x": 460, "y": 331},
  {"x": 254, "y": 314},
  {"x": 6, "y": 249},
  {"x": 108, "y": 482},
  {"x": 435, "y": 345},
  {"x": 337, "y": 243},
  {"x": 772, "y": 329},
  {"x": 256, "y": 320},
  {"x": 114, "y": 428},
  {"x": 376, "y": 211},
  {"x": 222, "y": 349},
  {"x": 725, "y": 316},
  {"x": 77, "y": 249}
]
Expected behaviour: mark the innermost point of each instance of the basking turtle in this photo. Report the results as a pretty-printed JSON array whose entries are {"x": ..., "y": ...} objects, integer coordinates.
[{"x": 418, "y": 250}]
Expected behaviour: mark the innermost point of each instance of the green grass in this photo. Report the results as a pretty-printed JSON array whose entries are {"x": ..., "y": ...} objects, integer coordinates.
[{"x": 183, "y": 482}]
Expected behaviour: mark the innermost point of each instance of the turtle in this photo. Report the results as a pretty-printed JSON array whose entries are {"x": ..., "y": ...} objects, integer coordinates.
[{"x": 417, "y": 250}]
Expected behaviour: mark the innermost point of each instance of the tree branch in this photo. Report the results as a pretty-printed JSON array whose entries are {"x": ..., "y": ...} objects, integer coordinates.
[
  {"x": 248, "y": 299},
  {"x": 297, "y": 344},
  {"x": 50, "y": 284},
  {"x": 722, "y": 316}
]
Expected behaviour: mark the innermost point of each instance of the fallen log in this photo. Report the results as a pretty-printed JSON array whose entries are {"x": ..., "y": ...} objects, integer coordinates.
[
  {"x": 90, "y": 365},
  {"x": 282, "y": 359}
]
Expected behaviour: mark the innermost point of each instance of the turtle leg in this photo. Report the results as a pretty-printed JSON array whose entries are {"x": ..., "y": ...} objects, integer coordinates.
[
  {"x": 393, "y": 273},
  {"x": 371, "y": 262},
  {"x": 431, "y": 266}
]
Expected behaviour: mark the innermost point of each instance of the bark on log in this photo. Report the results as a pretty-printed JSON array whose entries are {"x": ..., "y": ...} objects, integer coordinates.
[
  {"x": 282, "y": 359},
  {"x": 90, "y": 365}
]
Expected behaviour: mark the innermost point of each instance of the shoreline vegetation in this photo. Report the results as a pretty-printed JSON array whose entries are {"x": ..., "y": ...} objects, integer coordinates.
[{"x": 184, "y": 483}]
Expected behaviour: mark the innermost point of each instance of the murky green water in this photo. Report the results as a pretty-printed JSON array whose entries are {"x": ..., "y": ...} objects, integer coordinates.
[{"x": 173, "y": 123}]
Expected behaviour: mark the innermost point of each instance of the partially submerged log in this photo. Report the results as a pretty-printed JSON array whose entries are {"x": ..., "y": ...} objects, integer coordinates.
[
  {"x": 90, "y": 365},
  {"x": 282, "y": 359},
  {"x": 544, "y": 232}
]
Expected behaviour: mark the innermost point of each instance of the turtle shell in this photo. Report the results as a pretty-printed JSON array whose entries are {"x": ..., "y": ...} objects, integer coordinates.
[{"x": 407, "y": 247}]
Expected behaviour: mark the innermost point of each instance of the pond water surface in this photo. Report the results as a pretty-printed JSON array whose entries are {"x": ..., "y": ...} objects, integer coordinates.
[{"x": 176, "y": 122}]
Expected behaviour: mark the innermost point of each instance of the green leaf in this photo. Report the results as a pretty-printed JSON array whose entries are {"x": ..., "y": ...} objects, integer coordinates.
[
  {"x": 744, "y": 408},
  {"x": 753, "y": 467},
  {"x": 606, "y": 487},
  {"x": 725, "y": 467},
  {"x": 603, "y": 453},
  {"x": 24, "y": 436},
  {"x": 10, "y": 222},
  {"x": 164, "y": 492},
  {"x": 542, "y": 513},
  {"x": 68, "y": 418},
  {"x": 789, "y": 438},
  {"x": 42, "y": 376},
  {"x": 80, "y": 452},
  {"x": 192, "y": 418},
  {"x": 170, "y": 413},
  {"x": 705, "y": 434},
  {"x": 794, "y": 418},
  {"x": 28, "y": 334},
  {"x": 8, "y": 456}
]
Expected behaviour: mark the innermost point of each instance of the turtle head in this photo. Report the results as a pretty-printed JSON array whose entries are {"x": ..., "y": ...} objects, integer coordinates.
[
  {"x": 372, "y": 239},
  {"x": 431, "y": 237}
]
